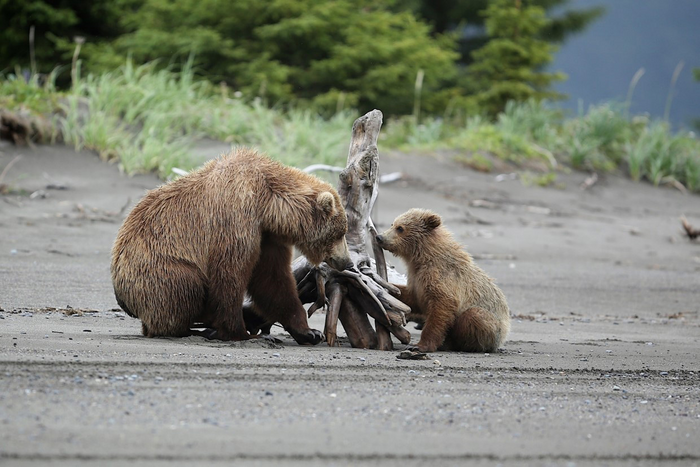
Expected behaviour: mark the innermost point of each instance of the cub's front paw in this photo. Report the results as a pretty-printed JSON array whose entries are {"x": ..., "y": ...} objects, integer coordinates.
[{"x": 421, "y": 347}]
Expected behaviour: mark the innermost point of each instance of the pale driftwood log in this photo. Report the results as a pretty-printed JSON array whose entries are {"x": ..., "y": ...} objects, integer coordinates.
[
  {"x": 364, "y": 290},
  {"x": 386, "y": 178},
  {"x": 690, "y": 231},
  {"x": 23, "y": 128}
]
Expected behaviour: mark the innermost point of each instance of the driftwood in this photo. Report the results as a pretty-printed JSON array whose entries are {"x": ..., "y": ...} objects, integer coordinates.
[
  {"x": 354, "y": 295},
  {"x": 690, "y": 231},
  {"x": 589, "y": 181},
  {"x": 23, "y": 128},
  {"x": 386, "y": 178}
]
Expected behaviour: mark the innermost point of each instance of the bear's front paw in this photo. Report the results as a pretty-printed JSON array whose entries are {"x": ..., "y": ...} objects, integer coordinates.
[{"x": 309, "y": 337}]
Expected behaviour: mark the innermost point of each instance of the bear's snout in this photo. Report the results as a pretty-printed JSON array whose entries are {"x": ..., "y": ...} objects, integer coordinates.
[
  {"x": 339, "y": 257},
  {"x": 380, "y": 239}
]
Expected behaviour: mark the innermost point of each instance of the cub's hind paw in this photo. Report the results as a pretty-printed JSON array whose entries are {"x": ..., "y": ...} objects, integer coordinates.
[{"x": 412, "y": 355}]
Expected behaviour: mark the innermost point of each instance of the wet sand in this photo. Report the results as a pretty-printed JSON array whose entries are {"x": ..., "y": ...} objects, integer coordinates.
[{"x": 601, "y": 366}]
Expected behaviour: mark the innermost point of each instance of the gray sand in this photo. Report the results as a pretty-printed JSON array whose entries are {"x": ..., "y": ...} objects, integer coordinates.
[{"x": 601, "y": 367}]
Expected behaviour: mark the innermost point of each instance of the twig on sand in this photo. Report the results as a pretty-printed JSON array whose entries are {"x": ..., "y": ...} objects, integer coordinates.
[
  {"x": 7, "y": 168},
  {"x": 692, "y": 232},
  {"x": 589, "y": 181},
  {"x": 675, "y": 184},
  {"x": 95, "y": 214},
  {"x": 386, "y": 178}
]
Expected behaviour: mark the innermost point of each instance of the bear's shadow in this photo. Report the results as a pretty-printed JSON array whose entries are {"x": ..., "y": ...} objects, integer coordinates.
[{"x": 258, "y": 343}]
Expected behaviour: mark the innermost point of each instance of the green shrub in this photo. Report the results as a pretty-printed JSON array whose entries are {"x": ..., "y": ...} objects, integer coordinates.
[
  {"x": 597, "y": 140},
  {"x": 149, "y": 119}
]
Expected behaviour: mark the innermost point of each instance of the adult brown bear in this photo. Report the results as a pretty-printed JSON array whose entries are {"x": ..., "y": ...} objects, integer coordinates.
[
  {"x": 190, "y": 249},
  {"x": 461, "y": 306}
]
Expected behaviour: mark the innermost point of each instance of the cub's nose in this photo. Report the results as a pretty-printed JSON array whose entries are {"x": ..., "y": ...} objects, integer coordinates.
[{"x": 379, "y": 239}]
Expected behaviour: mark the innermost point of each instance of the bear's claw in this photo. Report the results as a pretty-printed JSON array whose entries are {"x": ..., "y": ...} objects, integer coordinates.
[{"x": 310, "y": 337}]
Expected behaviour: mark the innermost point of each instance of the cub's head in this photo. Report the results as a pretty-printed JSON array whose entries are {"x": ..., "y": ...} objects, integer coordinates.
[
  {"x": 409, "y": 231},
  {"x": 327, "y": 235}
]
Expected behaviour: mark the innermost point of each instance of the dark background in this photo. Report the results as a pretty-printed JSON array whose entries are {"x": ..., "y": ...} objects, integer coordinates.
[{"x": 652, "y": 34}]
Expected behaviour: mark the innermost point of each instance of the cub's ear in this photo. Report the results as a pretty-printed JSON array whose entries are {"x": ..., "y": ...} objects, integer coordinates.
[
  {"x": 432, "y": 221},
  {"x": 326, "y": 201}
]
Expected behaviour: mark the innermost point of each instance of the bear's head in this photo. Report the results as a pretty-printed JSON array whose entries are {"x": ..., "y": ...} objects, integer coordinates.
[
  {"x": 408, "y": 232},
  {"x": 326, "y": 237}
]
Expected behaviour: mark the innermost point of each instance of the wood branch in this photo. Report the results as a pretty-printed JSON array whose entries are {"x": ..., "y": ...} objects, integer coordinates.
[
  {"x": 383, "y": 337},
  {"x": 590, "y": 181},
  {"x": 401, "y": 333},
  {"x": 380, "y": 277},
  {"x": 691, "y": 232},
  {"x": 386, "y": 178},
  {"x": 321, "y": 300},
  {"x": 380, "y": 261},
  {"x": 327, "y": 168},
  {"x": 360, "y": 332},
  {"x": 390, "y": 177},
  {"x": 336, "y": 292},
  {"x": 5, "y": 171},
  {"x": 307, "y": 286}
]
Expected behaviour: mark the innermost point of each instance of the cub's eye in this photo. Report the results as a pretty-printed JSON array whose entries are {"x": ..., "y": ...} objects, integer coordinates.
[{"x": 399, "y": 229}]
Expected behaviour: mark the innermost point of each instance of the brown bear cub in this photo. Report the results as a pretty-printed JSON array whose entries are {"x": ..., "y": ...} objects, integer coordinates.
[
  {"x": 191, "y": 249},
  {"x": 461, "y": 306}
]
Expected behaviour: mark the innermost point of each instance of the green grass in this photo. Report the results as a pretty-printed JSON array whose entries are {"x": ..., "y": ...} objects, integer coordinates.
[
  {"x": 16, "y": 93},
  {"x": 148, "y": 120},
  {"x": 601, "y": 139}
]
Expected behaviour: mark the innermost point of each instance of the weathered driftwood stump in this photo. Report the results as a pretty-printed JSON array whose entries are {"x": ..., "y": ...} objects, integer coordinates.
[{"x": 355, "y": 294}]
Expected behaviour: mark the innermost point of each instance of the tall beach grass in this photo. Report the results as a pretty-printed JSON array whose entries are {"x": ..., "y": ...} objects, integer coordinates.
[{"x": 149, "y": 120}]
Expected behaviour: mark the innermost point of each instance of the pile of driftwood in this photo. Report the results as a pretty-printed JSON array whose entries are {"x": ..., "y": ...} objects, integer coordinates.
[
  {"x": 23, "y": 127},
  {"x": 353, "y": 296}
]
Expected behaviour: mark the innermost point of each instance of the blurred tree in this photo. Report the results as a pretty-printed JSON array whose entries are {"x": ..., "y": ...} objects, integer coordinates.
[
  {"x": 330, "y": 54},
  {"x": 54, "y": 21},
  {"x": 696, "y": 75},
  {"x": 463, "y": 18},
  {"x": 508, "y": 66}
]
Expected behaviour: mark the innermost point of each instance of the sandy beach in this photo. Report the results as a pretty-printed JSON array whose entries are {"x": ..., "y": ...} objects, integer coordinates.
[{"x": 601, "y": 366}]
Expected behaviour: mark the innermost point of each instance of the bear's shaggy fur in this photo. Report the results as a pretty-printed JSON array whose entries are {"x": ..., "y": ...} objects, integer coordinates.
[
  {"x": 461, "y": 306},
  {"x": 190, "y": 249}
]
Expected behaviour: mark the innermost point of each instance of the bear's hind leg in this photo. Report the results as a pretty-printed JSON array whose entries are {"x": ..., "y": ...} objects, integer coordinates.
[
  {"x": 173, "y": 299},
  {"x": 475, "y": 330}
]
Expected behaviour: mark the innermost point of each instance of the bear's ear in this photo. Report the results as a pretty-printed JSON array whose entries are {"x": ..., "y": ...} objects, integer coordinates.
[
  {"x": 326, "y": 202},
  {"x": 432, "y": 221}
]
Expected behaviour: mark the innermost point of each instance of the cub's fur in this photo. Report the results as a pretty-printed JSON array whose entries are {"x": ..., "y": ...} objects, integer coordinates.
[{"x": 461, "y": 306}]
